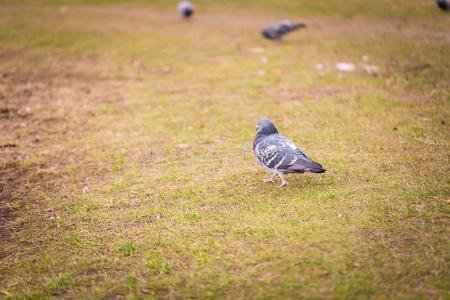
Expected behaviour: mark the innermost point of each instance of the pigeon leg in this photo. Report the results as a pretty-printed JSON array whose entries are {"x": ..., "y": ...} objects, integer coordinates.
[
  {"x": 271, "y": 179},
  {"x": 283, "y": 182}
]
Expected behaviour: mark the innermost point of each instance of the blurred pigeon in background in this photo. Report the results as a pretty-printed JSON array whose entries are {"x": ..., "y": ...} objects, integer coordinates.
[
  {"x": 443, "y": 4},
  {"x": 280, "y": 155},
  {"x": 278, "y": 30},
  {"x": 186, "y": 9}
]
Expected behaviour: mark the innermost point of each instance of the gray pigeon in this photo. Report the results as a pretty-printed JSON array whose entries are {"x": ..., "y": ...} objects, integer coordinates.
[
  {"x": 278, "y": 30},
  {"x": 280, "y": 155},
  {"x": 186, "y": 9},
  {"x": 443, "y": 4}
]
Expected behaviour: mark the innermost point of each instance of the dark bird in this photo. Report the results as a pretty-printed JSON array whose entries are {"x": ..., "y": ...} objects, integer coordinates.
[
  {"x": 279, "y": 155},
  {"x": 186, "y": 9},
  {"x": 443, "y": 4},
  {"x": 278, "y": 30}
]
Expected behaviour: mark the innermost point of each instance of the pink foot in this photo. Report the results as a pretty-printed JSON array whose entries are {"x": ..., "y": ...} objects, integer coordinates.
[
  {"x": 271, "y": 179},
  {"x": 284, "y": 183}
]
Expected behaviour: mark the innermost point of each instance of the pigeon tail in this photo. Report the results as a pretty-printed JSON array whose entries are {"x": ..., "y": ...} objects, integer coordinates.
[
  {"x": 316, "y": 170},
  {"x": 306, "y": 166},
  {"x": 298, "y": 26}
]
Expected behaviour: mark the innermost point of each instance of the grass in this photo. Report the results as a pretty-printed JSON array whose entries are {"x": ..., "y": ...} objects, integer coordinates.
[{"x": 132, "y": 176}]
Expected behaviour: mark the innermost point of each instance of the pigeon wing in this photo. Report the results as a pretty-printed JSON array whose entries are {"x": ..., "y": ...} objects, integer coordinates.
[
  {"x": 302, "y": 163},
  {"x": 277, "y": 152}
]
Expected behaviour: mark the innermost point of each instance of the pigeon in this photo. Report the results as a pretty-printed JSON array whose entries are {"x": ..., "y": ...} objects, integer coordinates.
[
  {"x": 186, "y": 9},
  {"x": 443, "y": 4},
  {"x": 280, "y": 155},
  {"x": 277, "y": 30}
]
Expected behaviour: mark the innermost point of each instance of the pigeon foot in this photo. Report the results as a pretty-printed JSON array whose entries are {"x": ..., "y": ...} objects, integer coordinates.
[
  {"x": 283, "y": 181},
  {"x": 271, "y": 179}
]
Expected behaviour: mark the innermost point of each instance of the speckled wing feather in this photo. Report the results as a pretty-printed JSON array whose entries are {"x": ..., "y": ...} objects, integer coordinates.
[{"x": 277, "y": 152}]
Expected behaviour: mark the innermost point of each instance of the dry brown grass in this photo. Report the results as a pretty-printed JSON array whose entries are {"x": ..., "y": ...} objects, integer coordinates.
[{"x": 124, "y": 163}]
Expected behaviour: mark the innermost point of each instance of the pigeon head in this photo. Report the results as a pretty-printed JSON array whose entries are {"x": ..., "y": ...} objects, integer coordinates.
[{"x": 265, "y": 127}]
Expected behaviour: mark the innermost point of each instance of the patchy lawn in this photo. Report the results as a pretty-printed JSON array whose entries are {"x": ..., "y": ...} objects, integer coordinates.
[{"x": 125, "y": 163}]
